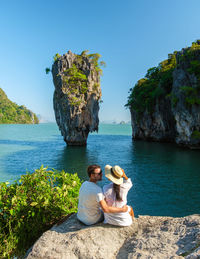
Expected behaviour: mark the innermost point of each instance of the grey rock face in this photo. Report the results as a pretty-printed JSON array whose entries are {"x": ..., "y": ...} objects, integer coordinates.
[
  {"x": 76, "y": 99},
  {"x": 157, "y": 126},
  {"x": 147, "y": 237},
  {"x": 173, "y": 120},
  {"x": 187, "y": 118}
]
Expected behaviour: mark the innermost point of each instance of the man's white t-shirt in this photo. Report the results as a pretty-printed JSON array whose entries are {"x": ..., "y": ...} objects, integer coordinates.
[{"x": 90, "y": 194}]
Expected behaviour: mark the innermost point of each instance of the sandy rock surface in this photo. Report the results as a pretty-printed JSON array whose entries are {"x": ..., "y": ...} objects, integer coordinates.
[{"x": 148, "y": 237}]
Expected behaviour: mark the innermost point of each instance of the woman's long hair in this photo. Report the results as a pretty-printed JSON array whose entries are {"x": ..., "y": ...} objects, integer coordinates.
[{"x": 116, "y": 189}]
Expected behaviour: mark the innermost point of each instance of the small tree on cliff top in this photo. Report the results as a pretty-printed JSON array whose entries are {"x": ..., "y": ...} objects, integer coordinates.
[{"x": 93, "y": 57}]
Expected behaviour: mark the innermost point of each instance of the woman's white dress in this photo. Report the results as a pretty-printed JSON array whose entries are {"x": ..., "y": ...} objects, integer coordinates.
[{"x": 122, "y": 218}]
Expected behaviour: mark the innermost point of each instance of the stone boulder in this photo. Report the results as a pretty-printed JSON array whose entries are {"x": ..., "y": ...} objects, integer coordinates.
[
  {"x": 148, "y": 237},
  {"x": 77, "y": 94}
]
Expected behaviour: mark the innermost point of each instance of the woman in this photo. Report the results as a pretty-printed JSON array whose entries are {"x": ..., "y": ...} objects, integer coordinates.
[{"x": 116, "y": 196}]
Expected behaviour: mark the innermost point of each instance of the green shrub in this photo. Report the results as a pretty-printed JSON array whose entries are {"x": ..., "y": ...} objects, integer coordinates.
[
  {"x": 47, "y": 70},
  {"x": 195, "y": 134},
  {"x": 75, "y": 78},
  {"x": 157, "y": 82},
  {"x": 32, "y": 205},
  {"x": 56, "y": 57},
  {"x": 192, "y": 100},
  {"x": 174, "y": 100},
  {"x": 194, "y": 67},
  {"x": 96, "y": 86},
  {"x": 191, "y": 94},
  {"x": 75, "y": 83}
]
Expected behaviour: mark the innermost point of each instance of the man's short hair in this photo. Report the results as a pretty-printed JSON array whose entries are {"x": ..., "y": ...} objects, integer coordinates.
[{"x": 91, "y": 169}]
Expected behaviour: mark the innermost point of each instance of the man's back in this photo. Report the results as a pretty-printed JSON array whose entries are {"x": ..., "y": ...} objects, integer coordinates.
[{"x": 88, "y": 207}]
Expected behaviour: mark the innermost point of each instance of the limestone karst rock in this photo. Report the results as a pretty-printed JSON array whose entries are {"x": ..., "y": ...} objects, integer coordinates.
[
  {"x": 147, "y": 237},
  {"x": 77, "y": 95},
  {"x": 165, "y": 105}
]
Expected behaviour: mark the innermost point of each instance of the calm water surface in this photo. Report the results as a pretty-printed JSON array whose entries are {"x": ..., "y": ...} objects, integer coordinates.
[{"x": 166, "y": 178}]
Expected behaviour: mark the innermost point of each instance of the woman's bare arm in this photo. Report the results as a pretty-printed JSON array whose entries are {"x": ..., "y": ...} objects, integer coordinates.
[{"x": 108, "y": 209}]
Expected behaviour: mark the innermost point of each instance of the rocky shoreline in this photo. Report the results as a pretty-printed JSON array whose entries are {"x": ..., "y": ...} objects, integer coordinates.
[{"x": 148, "y": 237}]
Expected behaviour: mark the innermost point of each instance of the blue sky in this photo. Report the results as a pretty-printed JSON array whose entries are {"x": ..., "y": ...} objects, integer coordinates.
[{"x": 131, "y": 36}]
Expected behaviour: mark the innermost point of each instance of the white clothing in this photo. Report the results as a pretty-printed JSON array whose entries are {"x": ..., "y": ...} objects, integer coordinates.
[
  {"x": 89, "y": 212},
  {"x": 122, "y": 218}
]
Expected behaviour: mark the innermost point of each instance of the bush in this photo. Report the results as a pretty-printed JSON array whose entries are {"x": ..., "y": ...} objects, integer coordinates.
[
  {"x": 192, "y": 95},
  {"x": 195, "y": 134},
  {"x": 32, "y": 205},
  {"x": 157, "y": 83}
]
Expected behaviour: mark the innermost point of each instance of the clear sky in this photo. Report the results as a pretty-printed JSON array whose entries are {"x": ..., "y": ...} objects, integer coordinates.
[{"x": 131, "y": 36}]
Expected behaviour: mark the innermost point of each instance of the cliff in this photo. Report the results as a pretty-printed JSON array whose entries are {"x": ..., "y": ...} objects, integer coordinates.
[
  {"x": 147, "y": 237},
  {"x": 77, "y": 94},
  {"x": 165, "y": 104},
  {"x": 11, "y": 113}
]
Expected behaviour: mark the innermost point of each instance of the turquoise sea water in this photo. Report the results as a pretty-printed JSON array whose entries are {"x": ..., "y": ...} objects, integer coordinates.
[{"x": 166, "y": 178}]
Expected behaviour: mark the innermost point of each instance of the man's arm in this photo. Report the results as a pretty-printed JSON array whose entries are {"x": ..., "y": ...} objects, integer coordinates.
[{"x": 108, "y": 209}]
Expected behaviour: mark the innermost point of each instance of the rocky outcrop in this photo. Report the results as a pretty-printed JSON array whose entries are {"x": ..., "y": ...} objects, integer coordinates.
[
  {"x": 147, "y": 237},
  {"x": 77, "y": 94},
  {"x": 186, "y": 90},
  {"x": 156, "y": 126},
  {"x": 170, "y": 110}
]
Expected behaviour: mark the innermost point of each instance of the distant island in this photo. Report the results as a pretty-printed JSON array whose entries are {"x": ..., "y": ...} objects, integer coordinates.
[
  {"x": 122, "y": 122},
  {"x": 11, "y": 113}
]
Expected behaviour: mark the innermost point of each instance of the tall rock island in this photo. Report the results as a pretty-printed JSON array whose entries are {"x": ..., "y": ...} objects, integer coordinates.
[
  {"x": 77, "y": 95},
  {"x": 165, "y": 104}
]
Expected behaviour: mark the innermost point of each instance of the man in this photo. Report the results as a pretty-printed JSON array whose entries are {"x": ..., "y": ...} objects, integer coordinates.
[{"x": 91, "y": 200}]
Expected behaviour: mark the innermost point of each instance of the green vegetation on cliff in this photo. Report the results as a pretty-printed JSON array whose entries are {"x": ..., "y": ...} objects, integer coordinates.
[
  {"x": 75, "y": 82},
  {"x": 75, "y": 78},
  {"x": 158, "y": 81},
  {"x": 32, "y": 205},
  {"x": 11, "y": 113}
]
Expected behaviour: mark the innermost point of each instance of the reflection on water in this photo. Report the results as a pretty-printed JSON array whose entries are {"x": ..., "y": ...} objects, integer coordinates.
[
  {"x": 74, "y": 159},
  {"x": 166, "y": 179}
]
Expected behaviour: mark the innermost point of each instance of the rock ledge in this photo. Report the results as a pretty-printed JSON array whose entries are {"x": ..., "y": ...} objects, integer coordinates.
[{"x": 148, "y": 237}]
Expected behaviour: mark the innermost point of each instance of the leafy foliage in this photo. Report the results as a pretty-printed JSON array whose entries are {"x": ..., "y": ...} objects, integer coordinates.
[
  {"x": 76, "y": 79},
  {"x": 191, "y": 56},
  {"x": 195, "y": 134},
  {"x": 157, "y": 82},
  {"x": 10, "y": 112},
  {"x": 56, "y": 57},
  {"x": 191, "y": 95},
  {"x": 32, "y": 205},
  {"x": 75, "y": 83},
  {"x": 47, "y": 70},
  {"x": 95, "y": 60}
]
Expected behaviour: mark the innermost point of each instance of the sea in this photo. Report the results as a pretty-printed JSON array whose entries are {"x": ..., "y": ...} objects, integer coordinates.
[{"x": 166, "y": 178}]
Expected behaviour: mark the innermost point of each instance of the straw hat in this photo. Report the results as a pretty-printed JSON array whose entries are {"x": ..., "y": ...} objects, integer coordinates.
[{"x": 114, "y": 174}]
